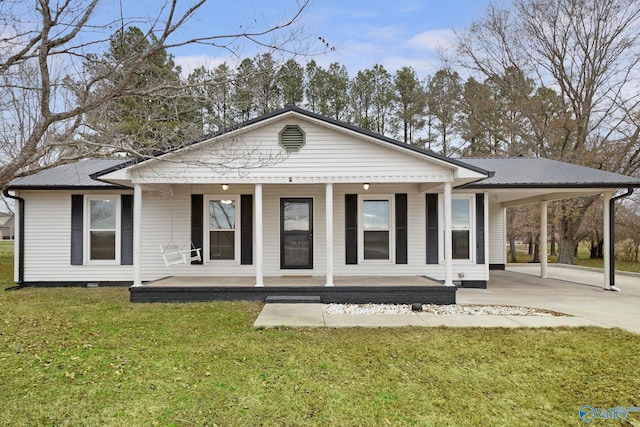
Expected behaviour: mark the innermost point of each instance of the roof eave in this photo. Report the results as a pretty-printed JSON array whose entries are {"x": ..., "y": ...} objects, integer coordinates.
[
  {"x": 481, "y": 186},
  {"x": 66, "y": 187}
]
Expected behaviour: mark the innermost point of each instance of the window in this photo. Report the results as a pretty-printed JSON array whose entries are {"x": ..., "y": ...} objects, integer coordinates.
[
  {"x": 460, "y": 228},
  {"x": 376, "y": 229},
  {"x": 223, "y": 217},
  {"x": 103, "y": 236}
]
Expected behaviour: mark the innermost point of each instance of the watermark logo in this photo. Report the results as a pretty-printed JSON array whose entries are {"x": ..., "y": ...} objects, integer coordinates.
[{"x": 589, "y": 413}]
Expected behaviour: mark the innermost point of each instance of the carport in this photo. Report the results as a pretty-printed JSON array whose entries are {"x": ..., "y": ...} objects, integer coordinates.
[
  {"x": 520, "y": 286},
  {"x": 520, "y": 181}
]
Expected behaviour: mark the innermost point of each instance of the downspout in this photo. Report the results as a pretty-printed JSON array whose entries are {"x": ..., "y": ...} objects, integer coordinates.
[
  {"x": 20, "y": 230},
  {"x": 612, "y": 240}
]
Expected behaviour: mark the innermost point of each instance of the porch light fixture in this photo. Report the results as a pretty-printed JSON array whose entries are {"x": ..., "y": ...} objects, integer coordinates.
[
  {"x": 365, "y": 186},
  {"x": 225, "y": 187}
]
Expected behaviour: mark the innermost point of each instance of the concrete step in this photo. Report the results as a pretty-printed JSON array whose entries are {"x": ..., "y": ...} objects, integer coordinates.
[{"x": 293, "y": 299}]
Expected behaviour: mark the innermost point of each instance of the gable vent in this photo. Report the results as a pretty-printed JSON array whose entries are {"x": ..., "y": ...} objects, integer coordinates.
[{"x": 291, "y": 138}]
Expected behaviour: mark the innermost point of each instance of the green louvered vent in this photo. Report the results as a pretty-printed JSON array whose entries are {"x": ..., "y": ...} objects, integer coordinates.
[{"x": 291, "y": 138}]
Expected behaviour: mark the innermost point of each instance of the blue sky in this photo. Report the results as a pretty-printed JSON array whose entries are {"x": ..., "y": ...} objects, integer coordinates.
[{"x": 363, "y": 32}]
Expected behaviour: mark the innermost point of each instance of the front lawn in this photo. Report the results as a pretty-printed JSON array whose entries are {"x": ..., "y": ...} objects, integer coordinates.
[{"x": 74, "y": 356}]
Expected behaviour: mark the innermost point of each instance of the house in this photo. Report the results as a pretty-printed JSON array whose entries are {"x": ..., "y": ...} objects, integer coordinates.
[
  {"x": 288, "y": 203},
  {"x": 7, "y": 226}
]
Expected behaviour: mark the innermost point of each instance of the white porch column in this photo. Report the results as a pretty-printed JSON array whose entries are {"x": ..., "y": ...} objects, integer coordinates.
[
  {"x": 543, "y": 239},
  {"x": 448, "y": 264},
  {"x": 137, "y": 235},
  {"x": 486, "y": 236},
  {"x": 259, "y": 247},
  {"x": 606, "y": 244},
  {"x": 329, "y": 232}
]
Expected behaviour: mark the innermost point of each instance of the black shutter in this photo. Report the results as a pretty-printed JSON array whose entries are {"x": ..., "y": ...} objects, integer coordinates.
[
  {"x": 351, "y": 228},
  {"x": 432, "y": 228},
  {"x": 77, "y": 203},
  {"x": 246, "y": 229},
  {"x": 126, "y": 229},
  {"x": 197, "y": 229},
  {"x": 401, "y": 228},
  {"x": 480, "y": 228}
]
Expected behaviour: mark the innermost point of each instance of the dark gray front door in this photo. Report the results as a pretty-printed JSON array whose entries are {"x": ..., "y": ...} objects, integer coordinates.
[{"x": 296, "y": 233}]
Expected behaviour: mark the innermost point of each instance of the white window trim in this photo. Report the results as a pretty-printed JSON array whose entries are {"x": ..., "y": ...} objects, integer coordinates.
[
  {"x": 207, "y": 238},
  {"x": 472, "y": 227},
  {"x": 392, "y": 228},
  {"x": 87, "y": 229}
]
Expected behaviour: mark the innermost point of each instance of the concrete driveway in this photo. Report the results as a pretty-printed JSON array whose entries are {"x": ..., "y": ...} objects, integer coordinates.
[{"x": 570, "y": 291}]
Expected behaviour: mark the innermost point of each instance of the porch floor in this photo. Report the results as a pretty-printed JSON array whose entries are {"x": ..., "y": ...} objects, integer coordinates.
[
  {"x": 292, "y": 281},
  {"x": 346, "y": 289}
]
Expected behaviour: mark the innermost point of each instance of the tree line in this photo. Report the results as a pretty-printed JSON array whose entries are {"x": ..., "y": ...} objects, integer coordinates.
[{"x": 503, "y": 115}]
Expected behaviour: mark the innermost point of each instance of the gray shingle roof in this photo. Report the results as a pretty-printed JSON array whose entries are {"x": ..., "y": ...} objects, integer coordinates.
[
  {"x": 523, "y": 172},
  {"x": 74, "y": 175}
]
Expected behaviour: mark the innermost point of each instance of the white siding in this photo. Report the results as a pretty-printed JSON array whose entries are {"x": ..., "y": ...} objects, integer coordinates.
[
  {"x": 167, "y": 217},
  {"x": 497, "y": 237},
  {"x": 328, "y": 156},
  {"x": 47, "y": 240}
]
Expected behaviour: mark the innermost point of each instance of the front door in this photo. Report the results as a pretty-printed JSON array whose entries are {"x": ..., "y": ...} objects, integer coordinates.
[{"x": 296, "y": 233}]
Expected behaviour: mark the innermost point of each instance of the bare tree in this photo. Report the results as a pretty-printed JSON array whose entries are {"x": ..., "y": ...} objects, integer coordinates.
[
  {"x": 45, "y": 93},
  {"x": 586, "y": 50}
]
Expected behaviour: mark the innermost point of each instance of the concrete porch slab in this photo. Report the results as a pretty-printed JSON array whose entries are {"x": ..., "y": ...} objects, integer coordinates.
[
  {"x": 287, "y": 314},
  {"x": 311, "y": 315}
]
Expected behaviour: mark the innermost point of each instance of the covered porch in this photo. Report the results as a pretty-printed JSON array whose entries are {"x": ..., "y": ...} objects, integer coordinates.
[{"x": 326, "y": 243}]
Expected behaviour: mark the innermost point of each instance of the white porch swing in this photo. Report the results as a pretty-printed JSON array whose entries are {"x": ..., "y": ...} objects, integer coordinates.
[{"x": 173, "y": 254}]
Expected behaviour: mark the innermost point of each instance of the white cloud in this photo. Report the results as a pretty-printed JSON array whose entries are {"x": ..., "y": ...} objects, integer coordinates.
[
  {"x": 386, "y": 33},
  {"x": 433, "y": 40}
]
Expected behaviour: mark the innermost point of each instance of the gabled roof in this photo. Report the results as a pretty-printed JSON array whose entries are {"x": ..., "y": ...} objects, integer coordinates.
[
  {"x": 74, "y": 176},
  {"x": 314, "y": 116},
  {"x": 518, "y": 172},
  {"x": 538, "y": 172}
]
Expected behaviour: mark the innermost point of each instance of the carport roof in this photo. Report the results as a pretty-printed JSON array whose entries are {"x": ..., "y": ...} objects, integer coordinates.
[{"x": 538, "y": 172}]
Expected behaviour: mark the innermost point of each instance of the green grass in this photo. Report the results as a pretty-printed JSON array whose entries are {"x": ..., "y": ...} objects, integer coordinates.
[{"x": 74, "y": 356}]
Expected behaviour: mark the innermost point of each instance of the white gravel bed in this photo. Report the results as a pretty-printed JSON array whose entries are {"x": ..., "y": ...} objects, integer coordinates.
[{"x": 504, "y": 310}]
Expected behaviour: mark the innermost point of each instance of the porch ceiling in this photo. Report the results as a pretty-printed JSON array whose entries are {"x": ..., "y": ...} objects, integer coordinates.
[{"x": 524, "y": 196}]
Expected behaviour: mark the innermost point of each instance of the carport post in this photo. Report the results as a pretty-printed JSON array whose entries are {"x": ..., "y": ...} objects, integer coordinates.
[
  {"x": 606, "y": 244},
  {"x": 543, "y": 239}
]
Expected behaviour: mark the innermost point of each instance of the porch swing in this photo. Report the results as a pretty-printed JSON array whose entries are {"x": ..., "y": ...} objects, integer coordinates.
[{"x": 173, "y": 254}]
